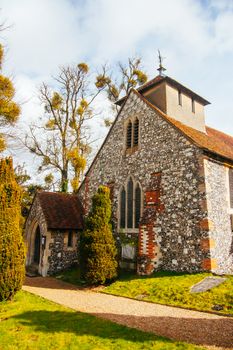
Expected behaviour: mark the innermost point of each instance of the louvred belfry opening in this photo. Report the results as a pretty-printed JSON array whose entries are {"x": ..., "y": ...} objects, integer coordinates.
[
  {"x": 129, "y": 135},
  {"x": 136, "y": 131}
]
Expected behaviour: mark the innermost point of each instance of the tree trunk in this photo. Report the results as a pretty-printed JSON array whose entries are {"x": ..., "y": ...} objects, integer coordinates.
[{"x": 64, "y": 181}]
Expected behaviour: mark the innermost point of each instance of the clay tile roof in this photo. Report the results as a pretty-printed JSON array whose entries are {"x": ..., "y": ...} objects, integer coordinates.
[
  {"x": 61, "y": 210},
  {"x": 213, "y": 140}
]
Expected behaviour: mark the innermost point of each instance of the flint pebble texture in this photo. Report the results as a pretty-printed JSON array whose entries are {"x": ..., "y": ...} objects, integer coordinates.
[
  {"x": 177, "y": 232},
  {"x": 218, "y": 213}
]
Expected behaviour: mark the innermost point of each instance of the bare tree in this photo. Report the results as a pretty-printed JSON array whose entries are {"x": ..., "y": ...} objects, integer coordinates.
[
  {"x": 128, "y": 76},
  {"x": 62, "y": 141}
]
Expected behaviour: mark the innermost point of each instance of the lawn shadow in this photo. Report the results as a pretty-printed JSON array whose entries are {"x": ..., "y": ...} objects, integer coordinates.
[
  {"x": 201, "y": 331},
  {"x": 53, "y": 283},
  {"x": 81, "y": 324}
]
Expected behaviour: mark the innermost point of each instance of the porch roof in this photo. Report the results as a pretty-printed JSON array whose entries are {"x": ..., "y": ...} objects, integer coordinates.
[{"x": 62, "y": 211}]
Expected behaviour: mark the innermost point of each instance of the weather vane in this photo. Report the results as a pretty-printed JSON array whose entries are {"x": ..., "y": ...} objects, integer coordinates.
[{"x": 161, "y": 69}]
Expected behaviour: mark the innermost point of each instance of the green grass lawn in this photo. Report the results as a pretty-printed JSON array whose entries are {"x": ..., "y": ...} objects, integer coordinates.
[
  {"x": 31, "y": 322},
  {"x": 168, "y": 288},
  {"x": 174, "y": 289},
  {"x": 72, "y": 276}
]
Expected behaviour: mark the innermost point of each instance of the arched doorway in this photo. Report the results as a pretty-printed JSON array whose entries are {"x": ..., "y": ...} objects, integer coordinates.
[{"x": 36, "y": 257}]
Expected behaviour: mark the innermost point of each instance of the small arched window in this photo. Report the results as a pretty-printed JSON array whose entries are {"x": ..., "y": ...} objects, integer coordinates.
[
  {"x": 129, "y": 135},
  {"x": 122, "y": 208},
  {"x": 135, "y": 132},
  {"x": 137, "y": 206},
  {"x": 130, "y": 203}
]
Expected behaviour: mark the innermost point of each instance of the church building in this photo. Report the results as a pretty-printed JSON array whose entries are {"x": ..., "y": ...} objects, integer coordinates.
[{"x": 171, "y": 182}]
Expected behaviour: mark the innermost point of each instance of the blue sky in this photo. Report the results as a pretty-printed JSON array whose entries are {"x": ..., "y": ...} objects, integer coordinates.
[{"x": 196, "y": 37}]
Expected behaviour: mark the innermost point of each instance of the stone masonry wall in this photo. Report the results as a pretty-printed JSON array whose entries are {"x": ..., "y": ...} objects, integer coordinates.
[
  {"x": 61, "y": 257},
  {"x": 172, "y": 229},
  {"x": 36, "y": 217},
  {"x": 220, "y": 234}
]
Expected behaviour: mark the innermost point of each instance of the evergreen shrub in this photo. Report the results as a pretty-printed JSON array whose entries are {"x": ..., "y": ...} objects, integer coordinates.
[
  {"x": 97, "y": 245},
  {"x": 12, "y": 250}
]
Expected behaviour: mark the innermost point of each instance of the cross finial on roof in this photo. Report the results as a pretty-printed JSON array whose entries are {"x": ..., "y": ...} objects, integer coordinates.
[{"x": 161, "y": 69}]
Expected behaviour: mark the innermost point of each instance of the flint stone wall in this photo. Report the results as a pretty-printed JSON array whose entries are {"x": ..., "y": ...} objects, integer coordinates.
[
  {"x": 220, "y": 233},
  {"x": 162, "y": 149},
  {"x": 61, "y": 257}
]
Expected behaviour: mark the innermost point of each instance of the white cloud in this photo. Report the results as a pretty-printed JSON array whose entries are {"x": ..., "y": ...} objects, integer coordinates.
[
  {"x": 44, "y": 34},
  {"x": 195, "y": 36}
]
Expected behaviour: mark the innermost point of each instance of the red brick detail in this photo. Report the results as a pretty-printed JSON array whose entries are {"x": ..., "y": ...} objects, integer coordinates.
[
  {"x": 207, "y": 243},
  {"x": 150, "y": 248},
  {"x": 209, "y": 264},
  {"x": 206, "y": 224},
  {"x": 152, "y": 197}
]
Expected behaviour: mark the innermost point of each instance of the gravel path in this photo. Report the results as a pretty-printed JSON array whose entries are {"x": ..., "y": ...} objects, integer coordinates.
[{"x": 179, "y": 324}]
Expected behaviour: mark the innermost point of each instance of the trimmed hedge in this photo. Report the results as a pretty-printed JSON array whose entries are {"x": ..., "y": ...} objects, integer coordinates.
[
  {"x": 12, "y": 250},
  {"x": 97, "y": 245}
]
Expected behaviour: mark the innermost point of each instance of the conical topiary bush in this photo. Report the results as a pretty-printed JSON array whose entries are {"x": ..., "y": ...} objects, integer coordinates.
[
  {"x": 97, "y": 246},
  {"x": 12, "y": 250}
]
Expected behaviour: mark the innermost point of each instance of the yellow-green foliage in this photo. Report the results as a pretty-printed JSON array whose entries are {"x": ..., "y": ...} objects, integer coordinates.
[
  {"x": 97, "y": 246},
  {"x": 12, "y": 251},
  {"x": 9, "y": 110}
]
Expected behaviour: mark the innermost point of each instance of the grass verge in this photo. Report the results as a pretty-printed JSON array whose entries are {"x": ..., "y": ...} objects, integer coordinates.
[
  {"x": 31, "y": 322},
  {"x": 174, "y": 289}
]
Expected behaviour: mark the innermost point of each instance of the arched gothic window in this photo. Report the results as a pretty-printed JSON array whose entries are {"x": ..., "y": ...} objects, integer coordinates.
[
  {"x": 137, "y": 212},
  {"x": 130, "y": 205},
  {"x": 122, "y": 208},
  {"x": 129, "y": 135},
  {"x": 135, "y": 132}
]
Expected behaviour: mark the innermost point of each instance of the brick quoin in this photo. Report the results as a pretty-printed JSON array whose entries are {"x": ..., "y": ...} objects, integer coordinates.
[{"x": 209, "y": 264}]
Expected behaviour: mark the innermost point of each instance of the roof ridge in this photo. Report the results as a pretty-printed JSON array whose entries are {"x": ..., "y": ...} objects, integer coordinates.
[
  {"x": 219, "y": 131},
  {"x": 197, "y": 137},
  {"x": 58, "y": 193}
]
